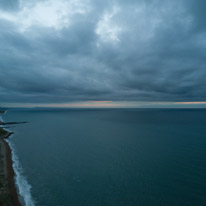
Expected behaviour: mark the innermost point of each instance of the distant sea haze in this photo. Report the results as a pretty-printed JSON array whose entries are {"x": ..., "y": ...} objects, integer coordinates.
[{"x": 110, "y": 157}]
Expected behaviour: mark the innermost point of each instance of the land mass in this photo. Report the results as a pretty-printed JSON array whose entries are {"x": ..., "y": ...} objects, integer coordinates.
[{"x": 8, "y": 193}]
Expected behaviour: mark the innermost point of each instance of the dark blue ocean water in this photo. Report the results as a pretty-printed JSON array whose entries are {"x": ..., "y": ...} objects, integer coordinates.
[{"x": 119, "y": 157}]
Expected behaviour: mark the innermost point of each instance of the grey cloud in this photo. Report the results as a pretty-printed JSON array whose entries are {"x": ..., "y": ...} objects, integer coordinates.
[
  {"x": 197, "y": 8},
  {"x": 10, "y": 5},
  {"x": 158, "y": 55}
]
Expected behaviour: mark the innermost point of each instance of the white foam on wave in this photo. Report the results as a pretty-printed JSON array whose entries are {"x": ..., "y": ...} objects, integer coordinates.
[{"x": 23, "y": 187}]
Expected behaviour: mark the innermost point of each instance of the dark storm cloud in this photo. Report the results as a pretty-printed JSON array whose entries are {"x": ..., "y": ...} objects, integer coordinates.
[{"x": 102, "y": 50}]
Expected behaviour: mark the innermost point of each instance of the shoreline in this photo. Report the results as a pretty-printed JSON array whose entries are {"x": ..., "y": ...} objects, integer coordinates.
[{"x": 8, "y": 191}]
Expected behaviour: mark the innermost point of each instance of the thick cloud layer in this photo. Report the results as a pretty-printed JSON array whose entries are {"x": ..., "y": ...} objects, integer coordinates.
[{"x": 82, "y": 50}]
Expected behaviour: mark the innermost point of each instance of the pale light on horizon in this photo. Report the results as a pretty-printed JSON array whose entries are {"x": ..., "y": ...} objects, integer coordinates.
[{"x": 111, "y": 104}]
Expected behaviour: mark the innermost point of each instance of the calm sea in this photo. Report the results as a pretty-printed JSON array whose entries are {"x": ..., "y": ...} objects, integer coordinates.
[{"x": 110, "y": 157}]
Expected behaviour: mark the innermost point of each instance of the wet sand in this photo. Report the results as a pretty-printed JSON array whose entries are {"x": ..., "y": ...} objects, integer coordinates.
[{"x": 8, "y": 192}]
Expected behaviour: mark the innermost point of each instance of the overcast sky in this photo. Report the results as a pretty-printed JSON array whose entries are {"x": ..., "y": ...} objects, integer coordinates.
[{"x": 59, "y": 51}]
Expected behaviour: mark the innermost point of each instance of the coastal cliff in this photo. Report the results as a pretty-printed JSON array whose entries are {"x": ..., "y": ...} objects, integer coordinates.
[{"x": 8, "y": 193}]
